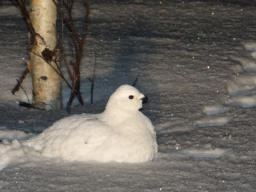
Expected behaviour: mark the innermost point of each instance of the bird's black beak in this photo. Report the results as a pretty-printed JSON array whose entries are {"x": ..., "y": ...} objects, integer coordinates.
[{"x": 145, "y": 100}]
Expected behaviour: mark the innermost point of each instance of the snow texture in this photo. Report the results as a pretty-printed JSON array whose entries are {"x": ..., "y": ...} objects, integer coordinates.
[
  {"x": 214, "y": 109},
  {"x": 196, "y": 63},
  {"x": 250, "y": 46},
  {"x": 14, "y": 134}
]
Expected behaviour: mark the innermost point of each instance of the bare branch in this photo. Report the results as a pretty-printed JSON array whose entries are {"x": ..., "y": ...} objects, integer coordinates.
[
  {"x": 58, "y": 71},
  {"x": 135, "y": 81},
  {"x": 92, "y": 80},
  {"x": 50, "y": 56},
  {"x": 26, "y": 18},
  {"x": 17, "y": 87},
  {"x": 78, "y": 45}
]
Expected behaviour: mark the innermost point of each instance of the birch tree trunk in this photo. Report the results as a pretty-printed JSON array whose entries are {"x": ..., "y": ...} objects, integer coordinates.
[{"x": 46, "y": 81}]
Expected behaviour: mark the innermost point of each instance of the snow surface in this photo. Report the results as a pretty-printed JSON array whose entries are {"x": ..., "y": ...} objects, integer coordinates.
[{"x": 194, "y": 61}]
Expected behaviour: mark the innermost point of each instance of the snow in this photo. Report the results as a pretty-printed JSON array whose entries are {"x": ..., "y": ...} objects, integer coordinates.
[
  {"x": 216, "y": 153},
  {"x": 208, "y": 122},
  {"x": 214, "y": 109},
  {"x": 250, "y": 46},
  {"x": 243, "y": 101},
  {"x": 14, "y": 134},
  {"x": 194, "y": 60}
]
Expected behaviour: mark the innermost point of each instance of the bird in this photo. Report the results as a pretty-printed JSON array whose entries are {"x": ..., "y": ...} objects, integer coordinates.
[{"x": 121, "y": 133}]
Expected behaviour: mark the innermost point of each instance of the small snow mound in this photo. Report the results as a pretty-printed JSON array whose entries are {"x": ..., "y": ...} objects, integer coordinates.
[
  {"x": 14, "y": 152},
  {"x": 213, "y": 121},
  {"x": 205, "y": 153},
  {"x": 3, "y": 166},
  {"x": 8, "y": 150},
  {"x": 250, "y": 46},
  {"x": 248, "y": 65},
  {"x": 171, "y": 127},
  {"x": 163, "y": 126},
  {"x": 253, "y": 54},
  {"x": 178, "y": 128},
  {"x": 242, "y": 84},
  {"x": 13, "y": 134},
  {"x": 245, "y": 101},
  {"x": 214, "y": 109}
]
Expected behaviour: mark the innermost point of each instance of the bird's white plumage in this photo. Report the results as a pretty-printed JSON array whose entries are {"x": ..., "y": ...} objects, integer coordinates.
[{"x": 121, "y": 133}]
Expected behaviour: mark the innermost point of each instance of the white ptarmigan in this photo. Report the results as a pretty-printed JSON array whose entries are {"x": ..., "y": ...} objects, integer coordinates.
[{"x": 119, "y": 134}]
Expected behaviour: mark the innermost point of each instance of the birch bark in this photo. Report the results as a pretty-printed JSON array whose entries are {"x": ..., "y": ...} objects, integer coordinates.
[{"x": 46, "y": 81}]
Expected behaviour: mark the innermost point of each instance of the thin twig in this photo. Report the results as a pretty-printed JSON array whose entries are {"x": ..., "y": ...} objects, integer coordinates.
[
  {"x": 18, "y": 86},
  {"x": 78, "y": 44},
  {"x": 25, "y": 93},
  {"x": 92, "y": 80},
  {"x": 135, "y": 81},
  {"x": 58, "y": 71},
  {"x": 27, "y": 20}
]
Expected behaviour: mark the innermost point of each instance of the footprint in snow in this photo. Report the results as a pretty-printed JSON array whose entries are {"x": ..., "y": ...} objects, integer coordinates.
[
  {"x": 242, "y": 93},
  {"x": 241, "y": 89}
]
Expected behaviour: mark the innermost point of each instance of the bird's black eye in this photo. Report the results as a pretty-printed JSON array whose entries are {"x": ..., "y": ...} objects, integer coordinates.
[{"x": 131, "y": 97}]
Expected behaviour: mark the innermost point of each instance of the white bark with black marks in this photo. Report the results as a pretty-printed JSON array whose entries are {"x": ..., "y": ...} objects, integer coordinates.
[{"x": 46, "y": 82}]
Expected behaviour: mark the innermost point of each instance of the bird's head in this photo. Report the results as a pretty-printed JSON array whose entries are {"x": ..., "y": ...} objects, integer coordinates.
[{"x": 125, "y": 98}]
